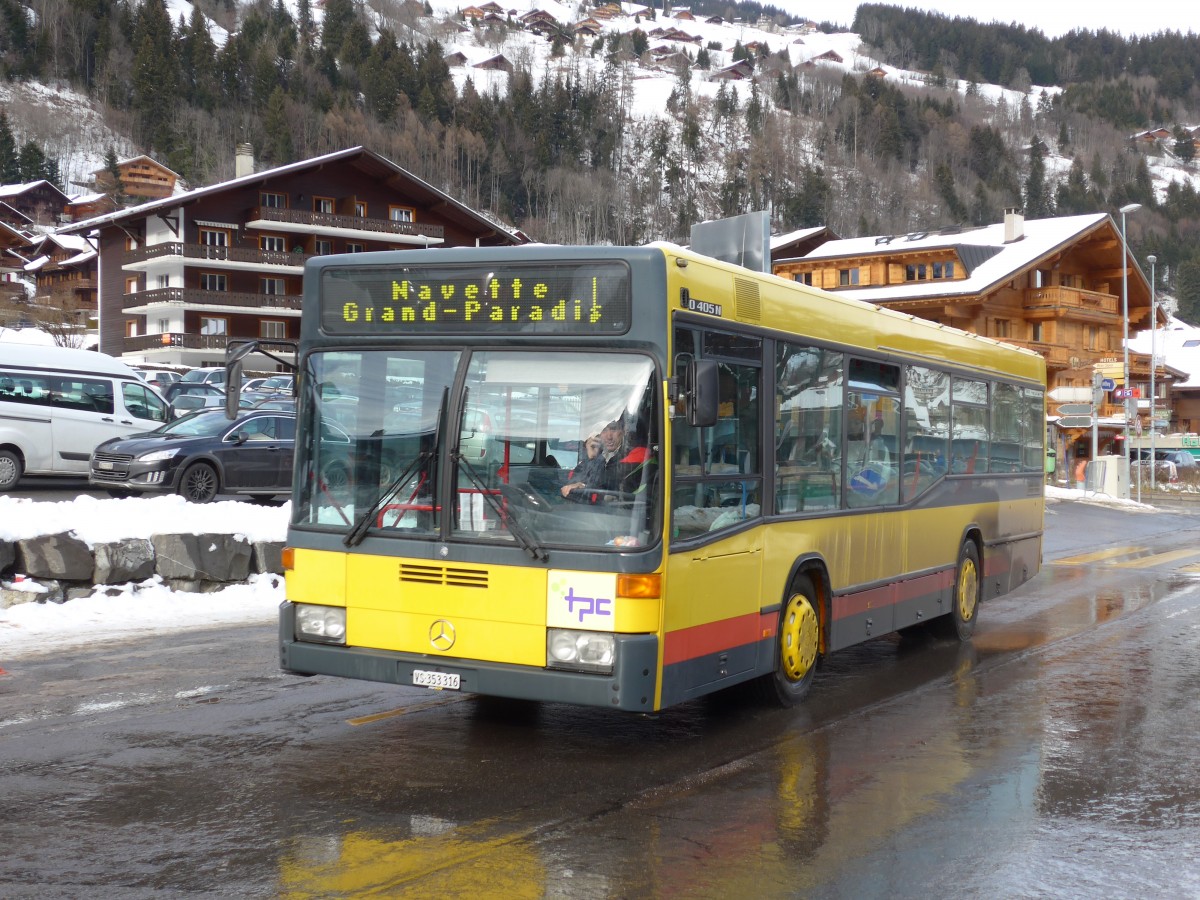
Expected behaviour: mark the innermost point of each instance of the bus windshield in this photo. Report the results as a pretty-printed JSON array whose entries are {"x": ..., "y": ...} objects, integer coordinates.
[{"x": 543, "y": 449}]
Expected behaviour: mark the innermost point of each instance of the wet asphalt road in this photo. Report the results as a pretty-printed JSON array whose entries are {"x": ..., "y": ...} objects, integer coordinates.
[{"x": 1054, "y": 756}]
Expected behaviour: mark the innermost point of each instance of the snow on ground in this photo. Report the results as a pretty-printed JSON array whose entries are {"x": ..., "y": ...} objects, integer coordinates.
[
  {"x": 150, "y": 608},
  {"x": 142, "y": 609}
]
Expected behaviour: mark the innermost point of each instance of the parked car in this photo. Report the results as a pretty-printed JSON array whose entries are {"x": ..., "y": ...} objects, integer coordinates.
[
  {"x": 200, "y": 456},
  {"x": 57, "y": 404},
  {"x": 252, "y": 384},
  {"x": 276, "y": 401},
  {"x": 160, "y": 378},
  {"x": 190, "y": 402},
  {"x": 279, "y": 384}
]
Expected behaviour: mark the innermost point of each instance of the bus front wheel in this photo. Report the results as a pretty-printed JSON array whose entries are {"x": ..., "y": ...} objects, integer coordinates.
[
  {"x": 960, "y": 623},
  {"x": 797, "y": 645}
]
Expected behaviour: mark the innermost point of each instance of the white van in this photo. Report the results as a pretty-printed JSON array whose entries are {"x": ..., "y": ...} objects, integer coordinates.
[{"x": 57, "y": 404}]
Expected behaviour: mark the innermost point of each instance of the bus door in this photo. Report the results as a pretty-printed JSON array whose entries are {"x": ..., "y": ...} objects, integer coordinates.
[{"x": 715, "y": 567}]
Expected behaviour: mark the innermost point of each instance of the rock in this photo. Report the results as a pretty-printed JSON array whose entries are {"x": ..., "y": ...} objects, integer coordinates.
[
  {"x": 203, "y": 557},
  {"x": 268, "y": 557},
  {"x": 123, "y": 561},
  {"x": 61, "y": 556}
]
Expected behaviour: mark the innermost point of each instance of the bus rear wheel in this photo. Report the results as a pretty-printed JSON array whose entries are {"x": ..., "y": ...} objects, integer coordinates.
[
  {"x": 960, "y": 623},
  {"x": 797, "y": 646}
]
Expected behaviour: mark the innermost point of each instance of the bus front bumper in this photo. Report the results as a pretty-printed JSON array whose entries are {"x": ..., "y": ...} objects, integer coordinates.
[{"x": 630, "y": 687}]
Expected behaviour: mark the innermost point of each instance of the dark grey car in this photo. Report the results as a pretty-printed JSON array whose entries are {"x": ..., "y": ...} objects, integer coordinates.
[{"x": 200, "y": 456}]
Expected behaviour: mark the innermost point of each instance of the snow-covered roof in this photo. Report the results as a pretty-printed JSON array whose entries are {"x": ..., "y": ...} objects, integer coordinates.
[
  {"x": 144, "y": 209},
  {"x": 988, "y": 258},
  {"x": 782, "y": 240},
  {"x": 1177, "y": 345}
]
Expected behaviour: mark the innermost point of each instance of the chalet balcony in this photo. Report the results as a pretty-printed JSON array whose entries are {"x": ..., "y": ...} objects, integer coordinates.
[
  {"x": 270, "y": 218},
  {"x": 174, "y": 340},
  {"x": 146, "y": 302},
  {"x": 172, "y": 256},
  {"x": 1057, "y": 356},
  {"x": 1063, "y": 302},
  {"x": 213, "y": 346}
]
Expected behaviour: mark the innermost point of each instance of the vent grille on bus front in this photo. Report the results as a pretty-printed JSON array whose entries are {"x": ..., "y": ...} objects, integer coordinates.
[
  {"x": 415, "y": 574},
  {"x": 746, "y": 293}
]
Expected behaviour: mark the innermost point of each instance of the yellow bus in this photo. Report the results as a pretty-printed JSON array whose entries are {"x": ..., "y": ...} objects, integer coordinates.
[{"x": 629, "y": 477}]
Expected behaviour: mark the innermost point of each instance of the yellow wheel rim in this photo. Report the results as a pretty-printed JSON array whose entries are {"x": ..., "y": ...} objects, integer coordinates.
[
  {"x": 968, "y": 589},
  {"x": 798, "y": 638}
]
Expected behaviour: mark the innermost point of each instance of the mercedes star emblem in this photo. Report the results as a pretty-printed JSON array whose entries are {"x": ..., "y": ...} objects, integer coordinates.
[{"x": 441, "y": 635}]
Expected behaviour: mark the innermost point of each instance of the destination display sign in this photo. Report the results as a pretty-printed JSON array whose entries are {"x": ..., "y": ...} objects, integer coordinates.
[{"x": 536, "y": 298}]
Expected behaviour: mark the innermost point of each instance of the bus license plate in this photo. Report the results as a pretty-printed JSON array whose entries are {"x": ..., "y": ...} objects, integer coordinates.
[{"x": 441, "y": 680}]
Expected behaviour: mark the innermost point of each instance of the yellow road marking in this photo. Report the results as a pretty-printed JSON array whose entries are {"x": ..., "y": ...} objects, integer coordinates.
[
  {"x": 1156, "y": 558},
  {"x": 392, "y": 713},
  {"x": 1086, "y": 558}
]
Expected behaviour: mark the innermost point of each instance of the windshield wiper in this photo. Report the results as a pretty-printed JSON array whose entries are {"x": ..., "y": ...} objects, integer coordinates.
[
  {"x": 363, "y": 523},
  {"x": 531, "y": 546},
  {"x": 527, "y": 541}
]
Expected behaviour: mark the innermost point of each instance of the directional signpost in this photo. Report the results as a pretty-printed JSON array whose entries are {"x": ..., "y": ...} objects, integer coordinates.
[{"x": 1075, "y": 415}]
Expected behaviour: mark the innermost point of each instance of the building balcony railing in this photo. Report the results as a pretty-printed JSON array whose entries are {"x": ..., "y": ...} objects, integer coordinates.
[
  {"x": 204, "y": 252},
  {"x": 1057, "y": 356},
  {"x": 384, "y": 228},
  {"x": 143, "y": 342},
  {"x": 1064, "y": 298},
  {"x": 198, "y": 297}
]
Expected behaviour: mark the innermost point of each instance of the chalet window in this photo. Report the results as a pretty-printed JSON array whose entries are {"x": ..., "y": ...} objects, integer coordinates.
[
  {"x": 323, "y": 205},
  {"x": 131, "y": 328},
  {"x": 322, "y": 248},
  {"x": 943, "y": 270},
  {"x": 214, "y": 325},
  {"x": 1037, "y": 333},
  {"x": 400, "y": 213},
  {"x": 360, "y": 209},
  {"x": 272, "y": 200},
  {"x": 803, "y": 278},
  {"x": 164, "y": 326},
  {"x": 1093, "y": 337},
  {"x": 353, "y": 247},
  {"x": 274, "y": 287},
  {"x": 1002, "y": 328},
  {"x": 131, "y": 285},
  {"x": 214, "y": 237},
  {"x": 164, "y": 281},
  {"x": 270, "y": 243},
  {"x": 212, "y": 281},
  {"x": 275, "y": 329},
  {"x": 916, "y": 272},
  {"x": 847, "y": 277}
]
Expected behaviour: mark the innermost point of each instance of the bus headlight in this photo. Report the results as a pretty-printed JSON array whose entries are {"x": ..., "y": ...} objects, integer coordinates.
[
  {"x": 324, "y": 624},
  {"x": 580, "y": 651}
]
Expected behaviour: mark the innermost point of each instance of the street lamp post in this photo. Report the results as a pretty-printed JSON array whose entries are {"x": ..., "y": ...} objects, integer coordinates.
[
  {"x": 1125, "y": 210},
  {"x": 1153, "y": 362}
]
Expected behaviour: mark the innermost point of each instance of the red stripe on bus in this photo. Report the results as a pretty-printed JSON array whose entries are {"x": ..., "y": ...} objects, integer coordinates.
[
  {"x": 716, "y": 637},
  {"x": 891, "y": 594}
]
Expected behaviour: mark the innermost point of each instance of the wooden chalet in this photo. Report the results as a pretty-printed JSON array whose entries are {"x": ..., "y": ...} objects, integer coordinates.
[{"x": 1053, "y": 286}]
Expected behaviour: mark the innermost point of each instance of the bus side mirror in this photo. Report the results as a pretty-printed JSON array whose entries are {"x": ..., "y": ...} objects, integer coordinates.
[
  {"x": 233, "y": 388},
  {"x": 700, "y": 388}
]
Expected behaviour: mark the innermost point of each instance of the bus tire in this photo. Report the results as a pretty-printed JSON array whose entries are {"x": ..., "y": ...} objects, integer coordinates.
[
  {"x": 797, "y": 646},
  {"x": 11, "y": 470},
  {"x": 964, "y": 609}
]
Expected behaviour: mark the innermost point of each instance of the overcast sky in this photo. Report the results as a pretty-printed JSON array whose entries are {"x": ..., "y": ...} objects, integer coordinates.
[{"x": 1052, "y": 19}]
